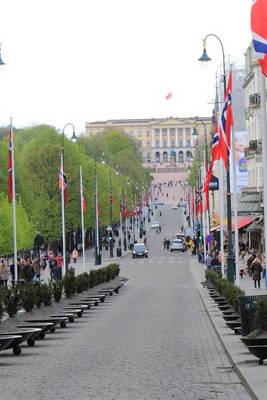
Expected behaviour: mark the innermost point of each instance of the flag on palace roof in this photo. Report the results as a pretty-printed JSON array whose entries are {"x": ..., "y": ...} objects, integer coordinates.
[{"x": 168, "y": 96}]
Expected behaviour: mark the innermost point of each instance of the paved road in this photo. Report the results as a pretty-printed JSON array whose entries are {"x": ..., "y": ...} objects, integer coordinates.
[{"x": 153, "y": 341}]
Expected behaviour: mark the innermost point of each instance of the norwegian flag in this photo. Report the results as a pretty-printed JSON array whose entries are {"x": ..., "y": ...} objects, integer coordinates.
[
  {"x": 83, "y": 201},
  {"x": 215, "y": 148},
  {"x": 206, "y": 186},
  {"x": 226, "y": 123},
  {"x": 10, "y": 165},
  {"x": 258, "y": 22},
  {"x": 198, "y": 202},
  {"x": 62, "y": 183}
]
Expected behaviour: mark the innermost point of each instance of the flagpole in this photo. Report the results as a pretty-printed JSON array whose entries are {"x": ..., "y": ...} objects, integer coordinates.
[
  {"x": 97, "y": 252},
  {"x": 63, "y": 215},
  {"x": 82, "y": 215},
  {"x": 204, "y": 210},
  {"x": 264, "y": 157},
  {"x": 235, "y": 209},
  {"x": 221, "y": 202},
  {"x": 14, "y": 204}
]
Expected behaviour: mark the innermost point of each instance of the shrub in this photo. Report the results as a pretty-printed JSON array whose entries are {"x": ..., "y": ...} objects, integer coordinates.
[
  {"x": 46, "y": 294},
  {"x": 261, "y": 314},
  {"x": 12, "y": 300},
  {"x": 1, "y": 300},
  {"x": 57, "y": 289},
  {"x": 69, "y": 284},
  {"x": 27, "y": 297},
  {"x": 37, "y": 287},
  {"x": 225, "y": 288}
]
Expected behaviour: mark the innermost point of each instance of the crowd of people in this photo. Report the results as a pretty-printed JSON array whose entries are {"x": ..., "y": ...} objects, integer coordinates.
[{"x": 30, "y": 269}]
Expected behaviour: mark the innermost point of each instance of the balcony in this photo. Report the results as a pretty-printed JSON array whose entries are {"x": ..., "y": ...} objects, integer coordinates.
[{"x": 254, "y": 100}]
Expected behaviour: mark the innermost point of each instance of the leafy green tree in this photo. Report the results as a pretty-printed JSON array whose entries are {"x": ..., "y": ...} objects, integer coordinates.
[{"x": 25, "y": 229}]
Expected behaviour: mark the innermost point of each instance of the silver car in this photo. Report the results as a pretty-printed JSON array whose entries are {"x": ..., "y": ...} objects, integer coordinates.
[{"x": 177, "y": 245}]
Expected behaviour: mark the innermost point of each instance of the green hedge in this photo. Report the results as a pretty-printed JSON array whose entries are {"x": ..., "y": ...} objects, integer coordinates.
[
  {"x": 227, "y": 289},
  {"x": 29, "y": 296}
]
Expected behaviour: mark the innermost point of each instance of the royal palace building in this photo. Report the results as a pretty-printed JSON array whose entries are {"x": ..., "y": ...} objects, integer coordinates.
[{"x": 160, "y": 139}]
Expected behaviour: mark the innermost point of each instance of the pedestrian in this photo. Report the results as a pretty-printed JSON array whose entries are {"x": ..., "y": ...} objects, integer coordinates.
[
  {"x": 159, "y": 229},
  {"x": 168, "y": 244},
  {"x": 256, "y": 269},
  {"x": 3, "y": 273},
  {"x": 58, "y": 269},
  {"x": 164, "y": 244},
  {"x": 145, "y": 241},
  {"x": 209, "y": 261},
  {"x": 74, "y": 255},
  {"x": 51, "y": 261}
]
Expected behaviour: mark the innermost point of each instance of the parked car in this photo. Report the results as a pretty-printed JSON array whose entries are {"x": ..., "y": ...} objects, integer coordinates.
[
  {"x": 139, "y": 250},
  {"x": 174, "y": 207},
  {"x": 159, "y": 203},
  {"x": 182, "y": 204},
  {"x": 177, "y": 245},
  {"x": 180, "y": 235},
  {"x": 155, "y": 225}
]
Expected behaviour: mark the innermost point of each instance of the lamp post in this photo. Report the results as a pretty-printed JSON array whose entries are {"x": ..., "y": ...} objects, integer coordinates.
[
  {"x": 1, "y": 61},
  {"x": 63, "y": 188},
  {"x": 230, "y": 256}
]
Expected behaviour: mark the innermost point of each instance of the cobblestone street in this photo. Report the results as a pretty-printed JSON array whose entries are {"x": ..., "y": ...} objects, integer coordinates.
[{"x": 152, "y": 341}]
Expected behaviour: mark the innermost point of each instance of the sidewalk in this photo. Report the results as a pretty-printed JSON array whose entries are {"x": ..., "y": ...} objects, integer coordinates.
[{"x": 245, "y": 364}]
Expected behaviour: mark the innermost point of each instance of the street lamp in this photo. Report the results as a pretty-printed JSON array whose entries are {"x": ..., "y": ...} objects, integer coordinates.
[
  {"x": 1, "y": 61},
  {"x": 63, "y": 193},
  {"x": 230, "y": 256}
]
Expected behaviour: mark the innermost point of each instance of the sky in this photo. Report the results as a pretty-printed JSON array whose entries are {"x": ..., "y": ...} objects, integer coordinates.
[{"x": 80, "y": 61}]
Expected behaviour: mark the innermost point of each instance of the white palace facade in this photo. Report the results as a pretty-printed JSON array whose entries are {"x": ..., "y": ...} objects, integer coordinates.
[{"x": 160, "y": 139}]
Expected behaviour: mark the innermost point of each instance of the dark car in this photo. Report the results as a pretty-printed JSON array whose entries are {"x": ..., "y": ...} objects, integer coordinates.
[{"x": 139, "y": 250}]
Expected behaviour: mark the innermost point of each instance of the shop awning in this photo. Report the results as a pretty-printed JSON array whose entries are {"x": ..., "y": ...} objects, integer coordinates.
[{"x": 242, "y": 222}]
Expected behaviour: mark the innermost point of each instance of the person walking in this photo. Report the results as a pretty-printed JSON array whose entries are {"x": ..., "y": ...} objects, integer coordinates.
[
  {"x": 164, "y": 244},
  {"x": 74, "y": 255},
  {"x": 3, "y": 273},
  {"x": 168, "y": 244},
  {"x": 256, "y": 269},
  {"x": 59, "y": 260}
]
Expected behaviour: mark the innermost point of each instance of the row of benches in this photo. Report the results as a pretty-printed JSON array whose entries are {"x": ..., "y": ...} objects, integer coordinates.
[{"x": 36, "y": 329}]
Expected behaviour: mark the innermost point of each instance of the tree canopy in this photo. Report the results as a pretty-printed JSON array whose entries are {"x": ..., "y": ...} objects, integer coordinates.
[{"x": 37, "y": 163}]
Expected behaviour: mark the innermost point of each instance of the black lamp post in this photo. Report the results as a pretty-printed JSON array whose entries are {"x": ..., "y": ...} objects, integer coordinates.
[{"x": 230, "y": 256}]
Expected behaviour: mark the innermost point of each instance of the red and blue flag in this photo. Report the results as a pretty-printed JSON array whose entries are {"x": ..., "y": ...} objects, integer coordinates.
[{"x": 258, "y": 22}]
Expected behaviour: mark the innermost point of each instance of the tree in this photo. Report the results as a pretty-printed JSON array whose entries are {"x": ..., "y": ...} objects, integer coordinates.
[{"x": 25, "y": 229}]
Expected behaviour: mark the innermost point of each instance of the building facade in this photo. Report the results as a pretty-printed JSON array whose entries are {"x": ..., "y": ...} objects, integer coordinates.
[
  {"x": 160, "y": 140},
  {"x": 253, "y": 152}
]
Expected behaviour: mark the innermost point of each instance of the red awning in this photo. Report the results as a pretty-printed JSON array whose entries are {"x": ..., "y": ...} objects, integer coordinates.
[{"x": 241, "y": 223}]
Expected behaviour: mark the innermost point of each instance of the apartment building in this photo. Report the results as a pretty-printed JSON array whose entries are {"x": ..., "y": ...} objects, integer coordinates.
[{"x": 160, "y": 139}]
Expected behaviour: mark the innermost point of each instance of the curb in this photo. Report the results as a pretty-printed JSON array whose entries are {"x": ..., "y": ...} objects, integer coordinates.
[{"x": 234, "y": 365}]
